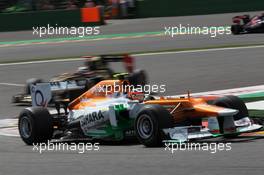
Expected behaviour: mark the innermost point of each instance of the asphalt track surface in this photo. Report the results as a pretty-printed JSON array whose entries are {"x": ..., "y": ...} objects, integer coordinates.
[{"x": 200, "y": 71}]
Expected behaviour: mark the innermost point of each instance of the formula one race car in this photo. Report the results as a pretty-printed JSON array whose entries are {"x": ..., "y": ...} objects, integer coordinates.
[
  {"x": 244, "y": 24},
  {"x": 124, "y": 112},
  {"x": 71, "y": 85}
]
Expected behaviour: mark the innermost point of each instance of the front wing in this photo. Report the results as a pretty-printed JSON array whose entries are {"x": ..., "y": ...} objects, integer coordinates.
[{"x": 188, "y": 133}]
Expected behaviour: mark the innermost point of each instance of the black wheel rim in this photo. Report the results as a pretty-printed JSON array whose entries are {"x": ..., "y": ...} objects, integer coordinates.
[
  {"x": 25, "y": 127},
  {"x": 145, "y": 126}
]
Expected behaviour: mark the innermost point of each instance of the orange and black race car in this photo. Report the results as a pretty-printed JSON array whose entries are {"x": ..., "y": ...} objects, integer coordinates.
[
  {"x": 112, "y": 110},
  {"x": 95, "y": 69}
]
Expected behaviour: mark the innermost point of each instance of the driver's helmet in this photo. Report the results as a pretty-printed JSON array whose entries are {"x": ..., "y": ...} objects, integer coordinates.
[
  {"x": 83, "y": 69},
  {"x": 95, "y": 63},
  {"x": 140, "y": 96},
  {"x": 90, "y": 64}
]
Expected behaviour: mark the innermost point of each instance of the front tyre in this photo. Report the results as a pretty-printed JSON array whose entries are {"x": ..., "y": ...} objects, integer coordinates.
[
  {"x": 236, "y": 29},
  {"x": 232, "y": 102},
  {"x": 35, "y": 125},
  {"x": 149, "y": 124}
]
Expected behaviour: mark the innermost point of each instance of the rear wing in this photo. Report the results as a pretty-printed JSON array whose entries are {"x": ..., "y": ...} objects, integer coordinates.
[
  {"x": 43, "y": 93},
  {"x": 127, "y": 59},
  {"x": 108, "y": 58},
  {"x": 113, "y": 58},
  {"x": 244, "y": 18}
]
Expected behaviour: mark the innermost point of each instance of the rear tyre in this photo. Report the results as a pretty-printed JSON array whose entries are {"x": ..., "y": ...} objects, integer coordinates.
[
  {"x": 236, "y": 29},
  {"x": 149, "y": 124},
  {"x": 35, "y": 125},
  {"x": 232, "y": 102}
]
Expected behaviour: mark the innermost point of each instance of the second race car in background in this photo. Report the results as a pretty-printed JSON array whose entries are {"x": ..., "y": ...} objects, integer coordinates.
[
  {"x": 95, "y": 69},
  {"x": 246, "y": 24}
]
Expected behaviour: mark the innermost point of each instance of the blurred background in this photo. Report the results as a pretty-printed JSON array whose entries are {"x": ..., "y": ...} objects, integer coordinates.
[
  {"x": 13, "y": 6},
  {"x": 25, "y": 14},
  {"x": 9, "y": 6}
]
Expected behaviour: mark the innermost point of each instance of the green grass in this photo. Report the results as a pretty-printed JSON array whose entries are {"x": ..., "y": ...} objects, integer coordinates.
[
  {"x": 252, "y": 99},
  {"x": 76, "y": 38}
]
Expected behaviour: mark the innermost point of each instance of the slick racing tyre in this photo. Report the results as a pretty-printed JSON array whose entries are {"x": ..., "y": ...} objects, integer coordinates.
[
  {"x": 149, "y": 124},
  {"x": 138, "y": 77},
  {"x": 35, "y": 125},
  {"x": 233, "y": 102},
  {"x": 236, "y": 29},
  {"x": 29, "y": 82}
]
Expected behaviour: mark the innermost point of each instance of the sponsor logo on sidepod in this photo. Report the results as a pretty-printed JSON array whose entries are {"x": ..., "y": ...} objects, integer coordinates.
[{"x": 92, "y": 119}]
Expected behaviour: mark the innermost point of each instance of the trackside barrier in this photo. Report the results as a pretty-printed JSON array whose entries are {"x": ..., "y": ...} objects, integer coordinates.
[
  {"x": 161, "y": 8},
  {"x": 65, "y": 18},
  {"x": 93, "y": 15}
]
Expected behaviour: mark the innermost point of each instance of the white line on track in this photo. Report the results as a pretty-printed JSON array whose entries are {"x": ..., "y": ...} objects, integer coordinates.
[
  {"x": 8, "y": 127},
  {"x": 200, "y": 50},
  {"x": 141, "y": 54},
  {"x": 43, "y": 61},
  {"x": 10, "y": 132},
  {"x": 233, "y": 91},
  {"x": 256, "y": 105},
  {"x": 8, "y": 123},
  {"x": 12, "y": 84}
]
